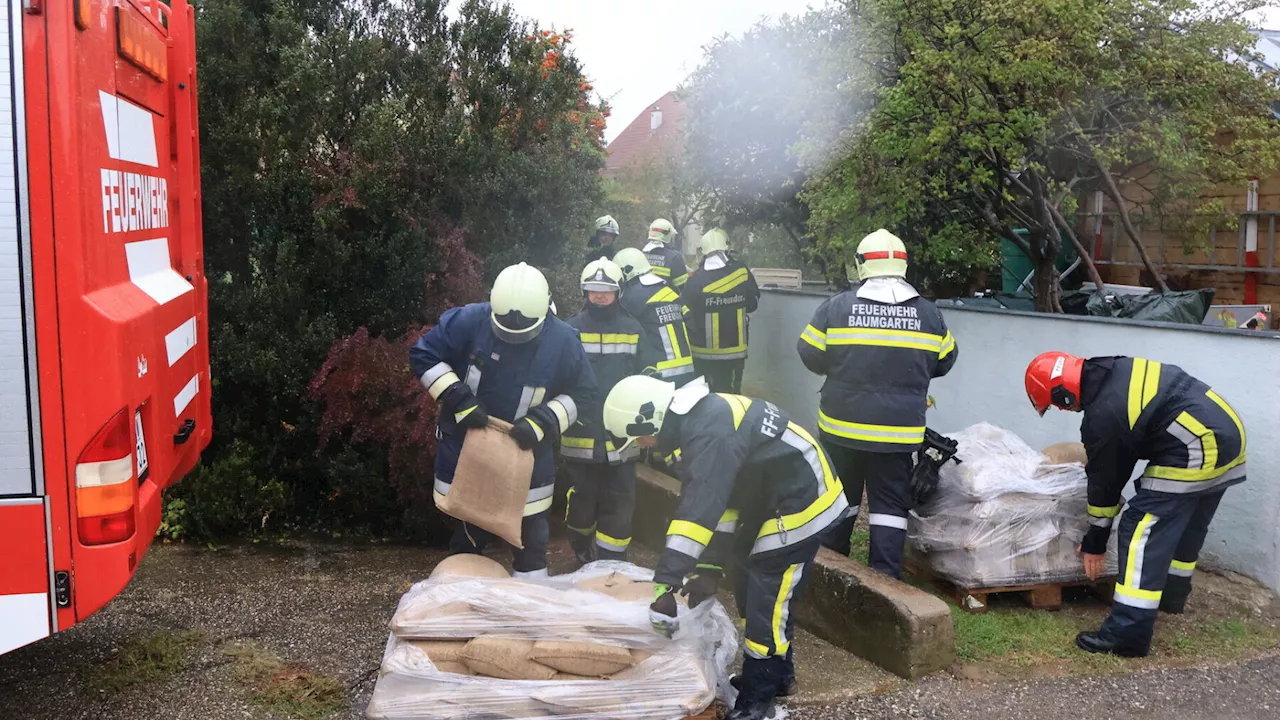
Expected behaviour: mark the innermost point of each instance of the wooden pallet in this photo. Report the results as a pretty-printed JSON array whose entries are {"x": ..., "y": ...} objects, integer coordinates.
[
  {"x": 711, "y": 713},
  {"x": 1044, "y": 596}
]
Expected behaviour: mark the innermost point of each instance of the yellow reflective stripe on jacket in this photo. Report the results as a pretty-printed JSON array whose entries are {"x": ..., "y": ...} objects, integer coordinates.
[
  {"x": 727, "y": 283},
  {"x": 577, "y": 442},
  {"x": 623, "y": 338},
  {"x": 1103, "y": 512},
  {"x": 908, "y": 339},
  {"x": 814, "y": 337},
  {"x": 691, "y": 530},
  {"x": 1144, "y": 381},
  {"x": 680, "y": 280},
  {"x": 666, "y": 294},
  {"x": 948, "y": 345},
  {"x": 786, "y": 523},
  {"x": 661, "y": 271},
  {"x": 898, "y": 434},
  {"x": 1216, "y": 398},
  {"x": 738, "y": 405},
  {"x": 1190, "y": 474}
]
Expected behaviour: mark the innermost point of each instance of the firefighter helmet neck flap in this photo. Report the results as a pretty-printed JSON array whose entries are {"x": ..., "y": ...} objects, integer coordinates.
[
  {"x": 880, "y": 254},
  {"x": 637, "y": 406},
  {"x": 520, "y": 300},
  {"x": 1053, "y": 378},
  {"x": 632, "y": 262}
]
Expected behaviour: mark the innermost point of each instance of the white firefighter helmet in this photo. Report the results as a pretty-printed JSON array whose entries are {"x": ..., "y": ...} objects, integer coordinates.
[
  {"x": 606, "y": 224},
  {"x": 662, "y": 231},
  {"x": 714, "y": 240},
  {"x": 881, "y": 254},
  {"x": 637, "y": 405},
  {"x": 601, "y": 275},
  {"x": 520, "y": 300},
  {"x": 632, "y": 262}
]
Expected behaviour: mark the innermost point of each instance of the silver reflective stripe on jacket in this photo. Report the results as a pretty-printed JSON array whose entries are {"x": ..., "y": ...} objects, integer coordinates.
[
  {"x": 1182, "y": 487},
  {"x": 824, "y": 520}
]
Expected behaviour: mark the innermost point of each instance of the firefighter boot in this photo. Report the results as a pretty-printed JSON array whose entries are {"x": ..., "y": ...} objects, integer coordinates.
[
  {"x": 760, "y": 682},
  {"x": 1103, "y": 643},
  {"x": 1176, "y": 591}
]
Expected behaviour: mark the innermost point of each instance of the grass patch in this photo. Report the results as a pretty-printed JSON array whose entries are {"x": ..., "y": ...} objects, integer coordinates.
[
  {"x": 1222, "y": 639},
  {"x": 146, "y": 659},
  {"x": 861, "y": 540},
  {"x": 1018, "y": 636},
  {"x": 286, "y": 689}
]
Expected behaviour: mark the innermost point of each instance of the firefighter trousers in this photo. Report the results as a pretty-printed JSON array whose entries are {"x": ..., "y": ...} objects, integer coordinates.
[
  {"x": 887, "y": 477},
  {"x": 1159, "y": 541},
  {"x": 600, "y": 504},
  {"x": 531, "y": 561},
  {"x": 767, "y": 589},
  {"x": 723, "y": 376}
]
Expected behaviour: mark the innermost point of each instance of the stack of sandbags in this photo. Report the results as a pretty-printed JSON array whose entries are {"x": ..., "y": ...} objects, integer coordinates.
[
  {"x": 472, "y": 640},
  {"x": 1006, "y": 515}
]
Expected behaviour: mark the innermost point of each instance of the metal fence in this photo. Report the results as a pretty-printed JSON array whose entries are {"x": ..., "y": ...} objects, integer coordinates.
[{"x": 1118, "y": 249}]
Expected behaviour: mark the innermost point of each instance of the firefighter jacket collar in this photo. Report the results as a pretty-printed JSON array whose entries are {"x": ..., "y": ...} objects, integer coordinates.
[
  {"x": 689, "y": 395},
  {"x": 649, "y": 279},
  {"x": 653, "y": 245},
  {"x": 714, "y": 261},
  {"x": 890, "y": 290}
]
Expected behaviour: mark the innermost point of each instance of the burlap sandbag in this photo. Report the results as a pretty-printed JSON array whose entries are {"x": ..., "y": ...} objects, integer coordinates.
[
  {"x": 570, "y": 677},
  {"x": 581, "y": 658},
  {"x": 1065, "y": 452},
  {"x": 604, "y": 582},
  {"x": 470, "y": 565},
  {"x": 631, "y": 592},
  {"x": 491, "y": 482},
  {"x": 504, "y": 659},
  {"x": 440, "y": 650}
]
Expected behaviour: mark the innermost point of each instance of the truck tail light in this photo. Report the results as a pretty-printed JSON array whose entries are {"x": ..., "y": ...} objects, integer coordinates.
[{"x": 105, "y": 489}]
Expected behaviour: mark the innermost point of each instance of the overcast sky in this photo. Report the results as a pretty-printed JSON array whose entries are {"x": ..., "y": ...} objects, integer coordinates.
[{"x": 635, "y": 51}]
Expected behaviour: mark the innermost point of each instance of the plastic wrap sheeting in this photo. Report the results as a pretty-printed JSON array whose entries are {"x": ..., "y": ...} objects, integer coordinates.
[
  {"x": 669, "y": 679},
  {"x": 1002, "y": 517}
]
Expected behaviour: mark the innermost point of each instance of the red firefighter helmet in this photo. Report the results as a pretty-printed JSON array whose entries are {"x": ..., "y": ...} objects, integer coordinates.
[{"x": 1053, "y": 378}]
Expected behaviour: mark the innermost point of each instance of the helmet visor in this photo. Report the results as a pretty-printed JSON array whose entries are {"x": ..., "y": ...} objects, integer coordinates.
[{"x": 515, "y": 328}]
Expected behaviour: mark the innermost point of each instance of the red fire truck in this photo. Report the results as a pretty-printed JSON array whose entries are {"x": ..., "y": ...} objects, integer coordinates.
[{"x": 104, "y": 360}]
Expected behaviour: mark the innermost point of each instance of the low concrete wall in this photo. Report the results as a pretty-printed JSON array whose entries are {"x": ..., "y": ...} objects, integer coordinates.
[
  {"x": 986, "y": 386},
  {"x": 901, "y": 628}
]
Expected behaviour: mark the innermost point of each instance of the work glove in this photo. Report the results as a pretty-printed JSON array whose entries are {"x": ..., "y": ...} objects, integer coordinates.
[
  {"x": 526, "y": 433},
  {"x": 662, "y": 613},
  {"x": 458, "y": 401},
  {"x": 701, "y": 585}
]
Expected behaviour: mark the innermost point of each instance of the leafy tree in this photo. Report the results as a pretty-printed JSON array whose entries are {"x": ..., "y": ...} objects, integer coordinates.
[
  {"x": 749, "y": 106},
  {"x": 357, "y": 158},
  {"x": 991, "y": 116}
]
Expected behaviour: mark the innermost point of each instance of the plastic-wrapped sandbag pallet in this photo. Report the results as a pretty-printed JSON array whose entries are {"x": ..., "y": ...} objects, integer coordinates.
[
  {"x": 1003, "y": 519},
  {"x": 500, "y": 625}
]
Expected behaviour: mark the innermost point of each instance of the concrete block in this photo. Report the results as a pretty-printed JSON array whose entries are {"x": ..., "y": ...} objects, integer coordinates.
[{"x": 899, "y": 627}]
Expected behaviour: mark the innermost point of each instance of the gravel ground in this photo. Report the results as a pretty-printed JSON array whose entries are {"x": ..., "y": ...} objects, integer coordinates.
[
  {"x": 1250, "y": 691},
  {"x": 323, "y": 609}
]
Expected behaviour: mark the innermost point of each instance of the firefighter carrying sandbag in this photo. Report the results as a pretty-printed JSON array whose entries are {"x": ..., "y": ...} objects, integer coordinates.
[
  {"x": 511, "y": 359},
  {"x": 757, "y": 491},
  {"x": 878, "y": 344},
  {"x": 656, "y": 305},
  {"x": 601, "y": 475},
  {"x": 1194, "y": 445}
]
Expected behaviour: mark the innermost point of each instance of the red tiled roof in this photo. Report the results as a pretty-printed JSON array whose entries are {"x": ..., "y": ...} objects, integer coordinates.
[{"x": 637, "y": 145}]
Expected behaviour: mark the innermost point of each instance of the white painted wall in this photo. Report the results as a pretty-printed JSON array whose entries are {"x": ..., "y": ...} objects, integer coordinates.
[{"x": 986, "y": 386}]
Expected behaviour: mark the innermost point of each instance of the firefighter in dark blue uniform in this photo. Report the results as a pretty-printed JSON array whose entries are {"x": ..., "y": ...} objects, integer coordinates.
[
  {"x": 602, "y": 475},
  {"x": 1194, "y": 444},
  {"x": 878, "y": 344},
  {"x": 719, "y": 296},
  {"x": 756, "y": 490},
  {"x": 511, "y": 359},
  {"x": 667, "y": 260},
  {"x": 665, "y": 348}
]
